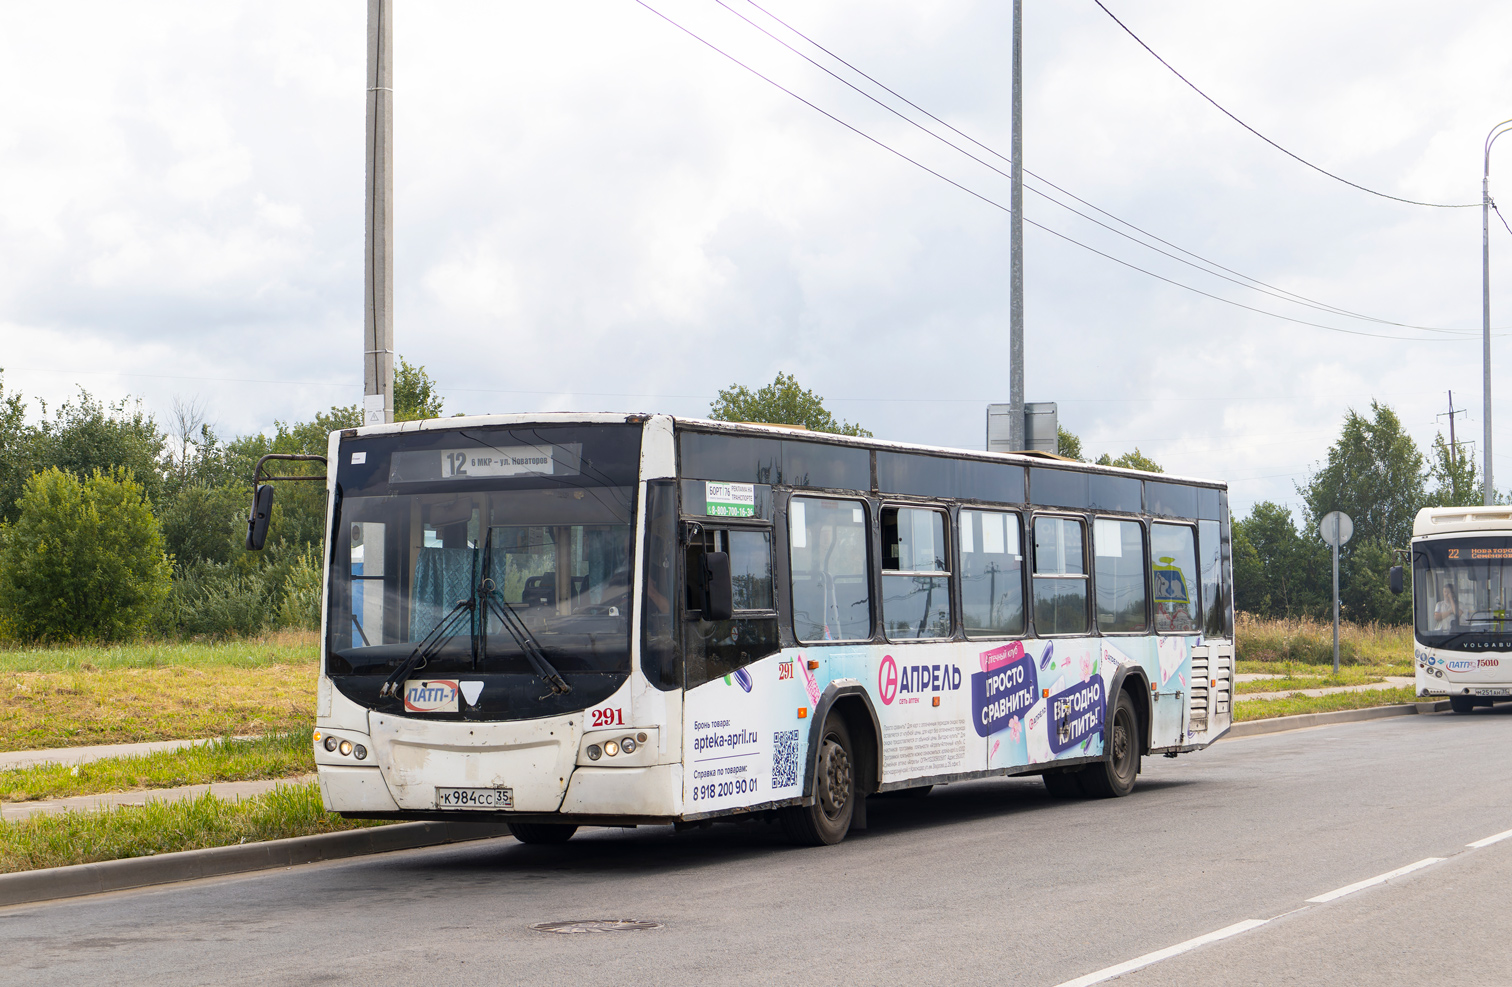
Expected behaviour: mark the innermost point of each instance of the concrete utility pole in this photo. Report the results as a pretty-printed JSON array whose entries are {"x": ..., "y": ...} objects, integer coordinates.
[
  {"x": 1496, "y": 131},
  {"x": 378, "y": 267},
  {"x": 1016, "y": 242}
]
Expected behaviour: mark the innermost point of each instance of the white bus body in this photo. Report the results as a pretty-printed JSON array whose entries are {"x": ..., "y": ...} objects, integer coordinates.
[
  {"x": 1462, "y": 604},
  {"x": 900, "y": 616}
]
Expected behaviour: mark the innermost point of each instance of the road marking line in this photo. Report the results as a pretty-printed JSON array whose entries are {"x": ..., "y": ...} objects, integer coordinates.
[
  {"x": 1490, "y": 840},
  {"x": 1109, "y": 973},
  {"x": 1378, "y": 879}
]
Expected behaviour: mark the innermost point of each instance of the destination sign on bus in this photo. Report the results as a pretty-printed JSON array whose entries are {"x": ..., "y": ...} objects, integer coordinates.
[{"x": 484, "y": 462}]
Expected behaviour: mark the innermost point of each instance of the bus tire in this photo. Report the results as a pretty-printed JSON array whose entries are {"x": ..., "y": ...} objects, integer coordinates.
[
  {"x": 826, "y": 822},
  {"x": 1461, "y": 704},
  {"x": 1114, "y": 776},
  {"x": 1063, "y": 784},
  {"x": 540, "y": 833}
]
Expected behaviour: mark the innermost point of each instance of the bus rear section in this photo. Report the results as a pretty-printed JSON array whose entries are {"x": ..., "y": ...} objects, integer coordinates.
[{"x": 1462, "y": 605}]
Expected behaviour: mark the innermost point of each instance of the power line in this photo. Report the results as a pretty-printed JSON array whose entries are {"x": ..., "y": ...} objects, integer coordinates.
[
  {"x": 998, "y": 205},
  {"x": 1296, "y": 157},
  {"x": 1264, "y": 287}
]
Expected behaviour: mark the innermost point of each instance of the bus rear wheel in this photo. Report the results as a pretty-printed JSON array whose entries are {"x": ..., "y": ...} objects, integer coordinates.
[
  {"x": 826, "y": 822},
  {"x": 1114, "y": 776},
  {"x": 1461, "y": 704},
  {"x": 542, "y": 832}
]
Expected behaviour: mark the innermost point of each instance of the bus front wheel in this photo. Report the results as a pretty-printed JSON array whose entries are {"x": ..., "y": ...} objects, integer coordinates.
[
  {"x": 1114, "y": 776},
  {"x": 826, "y": 822},
  {"x": 542, "y": 832}
]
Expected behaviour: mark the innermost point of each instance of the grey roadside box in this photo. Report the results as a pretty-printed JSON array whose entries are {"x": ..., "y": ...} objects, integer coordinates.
[{"x": 1041, "y": 431}]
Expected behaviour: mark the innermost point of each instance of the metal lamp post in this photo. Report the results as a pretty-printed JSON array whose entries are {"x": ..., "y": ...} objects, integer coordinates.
[{"x": 1489, "y": 495}]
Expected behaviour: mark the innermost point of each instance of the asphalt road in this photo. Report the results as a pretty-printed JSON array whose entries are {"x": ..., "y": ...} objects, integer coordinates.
[{"x": 981, "y": 883}]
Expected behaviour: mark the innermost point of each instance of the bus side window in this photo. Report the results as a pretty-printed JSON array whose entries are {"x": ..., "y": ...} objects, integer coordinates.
[
  {"x": 715, "y": 648},
  {"x": 992, "y": 574},
  {"x": 1173, "y": 577},
  {"x": 1119, "y": 568},
  {"x": 915, "y": 574},
  {"x": 827, "y": 546},
  {"x": 1060, "y": 575}
]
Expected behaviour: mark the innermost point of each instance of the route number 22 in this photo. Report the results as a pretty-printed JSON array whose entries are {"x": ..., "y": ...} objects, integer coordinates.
[{"x": 608, "y": 717}]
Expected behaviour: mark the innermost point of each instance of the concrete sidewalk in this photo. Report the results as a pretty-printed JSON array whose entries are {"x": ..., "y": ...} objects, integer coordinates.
[
  {"x": 84, "y": 803},
  {"x": 83, "y": 755}
]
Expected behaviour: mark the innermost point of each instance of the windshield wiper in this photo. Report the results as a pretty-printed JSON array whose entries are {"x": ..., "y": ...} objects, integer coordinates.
[
  {"x": 494, "y": 600},
  {"x": 427, "y": 647}
]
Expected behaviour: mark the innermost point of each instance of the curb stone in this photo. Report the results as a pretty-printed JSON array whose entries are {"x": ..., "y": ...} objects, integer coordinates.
[
  {"x": 52, "y": 883},
  {"x": 1280, "y": 724}
]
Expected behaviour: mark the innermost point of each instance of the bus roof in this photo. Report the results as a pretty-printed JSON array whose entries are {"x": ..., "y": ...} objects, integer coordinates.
[
  {"x": 1452, "y": 520},
  {"x": 779, "y": 431}
]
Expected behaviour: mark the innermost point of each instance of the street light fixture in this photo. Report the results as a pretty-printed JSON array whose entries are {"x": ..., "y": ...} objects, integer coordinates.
[{"x": 1489, "y": 495}]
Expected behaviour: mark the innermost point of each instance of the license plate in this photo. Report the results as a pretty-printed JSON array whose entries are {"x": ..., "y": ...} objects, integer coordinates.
[
  {"x": 1490, "y": 692},
  {"x": 475, "y": 798}
]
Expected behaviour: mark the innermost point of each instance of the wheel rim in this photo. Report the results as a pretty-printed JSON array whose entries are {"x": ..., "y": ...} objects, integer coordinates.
[
  {"x": 1123, "y": 744},
  {"x": 835, "y": 778}
]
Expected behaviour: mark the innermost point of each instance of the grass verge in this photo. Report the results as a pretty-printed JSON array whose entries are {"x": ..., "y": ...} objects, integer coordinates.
[
  {"x": 1261, "y": 709},
  {"x": 57, "y": 840},
  {"x": 130, "y": 705},
  {"x": 278, "y": 755},
  {"x": 1310, "y": 642},
  {"x": 281, "y": 648}
]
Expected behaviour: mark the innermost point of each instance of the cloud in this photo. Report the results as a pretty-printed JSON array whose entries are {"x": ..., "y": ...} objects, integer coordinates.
[{"x": 595, "y": 210}]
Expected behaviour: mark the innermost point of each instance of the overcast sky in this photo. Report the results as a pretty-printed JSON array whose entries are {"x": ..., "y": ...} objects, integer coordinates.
[{"x": 596, "y": 211}]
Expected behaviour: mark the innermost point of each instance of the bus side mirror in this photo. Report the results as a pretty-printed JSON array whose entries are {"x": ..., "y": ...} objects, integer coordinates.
[
  {"x": 262, "y": 513},
  {"x": 718, "y": 595},
  {"x": 1394, "y": 579}
]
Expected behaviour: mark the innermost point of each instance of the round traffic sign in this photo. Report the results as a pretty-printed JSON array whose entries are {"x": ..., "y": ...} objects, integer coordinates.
[{"x": 1336, "y": 528}]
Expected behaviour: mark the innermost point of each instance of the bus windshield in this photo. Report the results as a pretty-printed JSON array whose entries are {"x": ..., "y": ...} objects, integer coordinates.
[
  {"x": 475, "y": 545},
  {"x": 1462, "y": 592}
]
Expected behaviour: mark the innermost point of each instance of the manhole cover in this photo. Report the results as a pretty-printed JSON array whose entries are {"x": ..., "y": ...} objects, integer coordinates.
[{"x": 597, "y": 925}]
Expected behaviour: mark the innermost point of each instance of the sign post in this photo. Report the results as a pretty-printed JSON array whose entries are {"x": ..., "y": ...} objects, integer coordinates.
[{"x": 1336, "y": 529}]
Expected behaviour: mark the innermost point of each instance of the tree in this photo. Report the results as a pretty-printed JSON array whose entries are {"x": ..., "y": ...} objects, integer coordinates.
[
  {"x": 1374, "y": 473},
  {"x": 415, "y": 394},
  {"x": 84, "y": 560},
  {"x": 15, "y": 450},
  {"x": 1456, "y": 481},
  {"x": 1276, "y": 570},
  {"x": 1068, "y": 444},
  {"x": 1135, "y": 460},
  {"x": 782, "y": 402}
]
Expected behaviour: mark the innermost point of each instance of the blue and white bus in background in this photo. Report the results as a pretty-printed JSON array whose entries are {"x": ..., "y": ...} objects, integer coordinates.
[
  {"x": 1462, "y": 604},
  {"x": 564, "y": 620}
]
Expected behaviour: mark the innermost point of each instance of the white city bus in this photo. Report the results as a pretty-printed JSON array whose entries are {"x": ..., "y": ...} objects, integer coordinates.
[
  {"x": 566, "y": 620},
  {"x": 1462, "y": 604}
]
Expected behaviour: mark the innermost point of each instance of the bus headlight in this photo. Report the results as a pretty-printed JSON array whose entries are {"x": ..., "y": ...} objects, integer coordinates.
[
  {"x": 611, "y": 748},
  {"x": 628, "y": 745},
  {"x": 360, "y": 752},
  {"x": 346, "y": 748},
  {"x": 595, "y": 752},
  {"x": 330, "y": 743}
]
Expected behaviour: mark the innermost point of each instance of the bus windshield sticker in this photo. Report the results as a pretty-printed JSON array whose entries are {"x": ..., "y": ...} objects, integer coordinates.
[
  {"x": 799, "y": 523},
  {"x": 430, "y": 696},
  {"x": 729, "y": 499}
]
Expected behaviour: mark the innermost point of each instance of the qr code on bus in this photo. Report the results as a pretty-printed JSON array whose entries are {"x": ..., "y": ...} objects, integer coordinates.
[{"x": 785, "y": 759}]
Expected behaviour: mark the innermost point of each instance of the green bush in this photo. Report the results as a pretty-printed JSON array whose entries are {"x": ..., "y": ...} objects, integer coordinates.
[
  {"x": 84, "y": 560},
  {"x": 217, "y": 600},
  {"x": 301, "y": 593}
]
